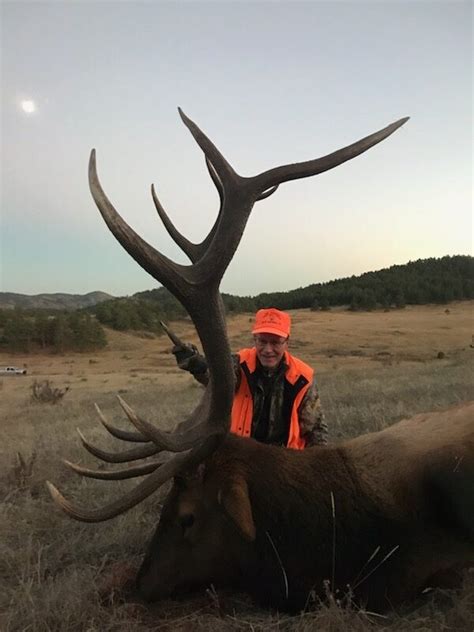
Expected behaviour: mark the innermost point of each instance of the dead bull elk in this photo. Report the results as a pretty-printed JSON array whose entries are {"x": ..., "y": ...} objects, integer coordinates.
[{"x": 383, "y": 513}]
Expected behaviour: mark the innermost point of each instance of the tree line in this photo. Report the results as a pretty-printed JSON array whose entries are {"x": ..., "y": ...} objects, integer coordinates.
[
  {"x": 24, "y": 331},
  {"x": 415, "y": 283},
  {"x": 135, "y": 313},
  {"x": 419, "y": 282}
]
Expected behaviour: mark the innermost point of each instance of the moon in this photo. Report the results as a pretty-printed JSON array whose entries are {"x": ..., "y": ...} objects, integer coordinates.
[{"x": 28, "y": 106}]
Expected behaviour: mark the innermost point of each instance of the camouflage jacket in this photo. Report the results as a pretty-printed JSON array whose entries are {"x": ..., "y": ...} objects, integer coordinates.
[{"x": 270, "y": 423}]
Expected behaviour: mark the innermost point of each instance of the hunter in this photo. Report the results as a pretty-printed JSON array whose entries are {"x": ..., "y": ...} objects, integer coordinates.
[{"x": 276, "y": 398}]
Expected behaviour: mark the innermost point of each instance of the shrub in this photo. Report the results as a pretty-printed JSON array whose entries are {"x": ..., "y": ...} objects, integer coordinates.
[{"x": 45, "y": 393}]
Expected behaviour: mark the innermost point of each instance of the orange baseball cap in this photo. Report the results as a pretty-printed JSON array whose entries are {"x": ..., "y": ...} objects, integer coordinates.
[{"x": 272, "y": 321}]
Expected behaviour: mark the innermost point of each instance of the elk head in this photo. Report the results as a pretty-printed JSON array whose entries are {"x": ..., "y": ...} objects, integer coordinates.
[{"x": 207, "y": 529}]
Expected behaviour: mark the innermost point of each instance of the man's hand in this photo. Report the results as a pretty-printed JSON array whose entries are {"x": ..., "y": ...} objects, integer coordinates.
[
  {"x": 189, "y": 359},
  {"x": 183, "y": 352}
]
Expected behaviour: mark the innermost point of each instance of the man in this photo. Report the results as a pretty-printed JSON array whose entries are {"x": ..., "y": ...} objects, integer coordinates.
[{"x": 276, "y": 398}]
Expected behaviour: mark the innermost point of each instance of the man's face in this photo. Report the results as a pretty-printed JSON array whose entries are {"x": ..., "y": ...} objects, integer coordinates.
[{"x": 270, "y": 349}]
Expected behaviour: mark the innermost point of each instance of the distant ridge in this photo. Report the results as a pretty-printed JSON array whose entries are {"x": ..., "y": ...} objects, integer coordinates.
[
  {"x": 433, "y": 280},
  {"x": 60, "y": 301}
]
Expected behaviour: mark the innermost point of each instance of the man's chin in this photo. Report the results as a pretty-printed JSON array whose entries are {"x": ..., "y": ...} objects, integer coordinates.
[{"x": 268, "y": 364}]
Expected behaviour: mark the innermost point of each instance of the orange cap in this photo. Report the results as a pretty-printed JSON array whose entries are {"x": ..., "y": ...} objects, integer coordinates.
[{"x": 272, "y": 321}]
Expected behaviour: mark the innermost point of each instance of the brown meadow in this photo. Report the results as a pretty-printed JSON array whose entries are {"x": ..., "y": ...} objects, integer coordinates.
[{"x": 373, "y": 368}]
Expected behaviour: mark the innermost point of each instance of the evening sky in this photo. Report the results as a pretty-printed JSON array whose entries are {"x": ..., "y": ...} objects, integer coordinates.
[{"x": 270, "y": 83}]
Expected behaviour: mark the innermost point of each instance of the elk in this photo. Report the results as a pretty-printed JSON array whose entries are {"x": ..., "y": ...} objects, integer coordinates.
[{"x": 384, "y": 513}]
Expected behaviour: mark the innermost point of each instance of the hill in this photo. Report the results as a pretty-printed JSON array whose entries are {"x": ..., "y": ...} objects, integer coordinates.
[
  {"x": 418, "y": 282},
  {"x": 57, "y": 301},
  {"x": 433, "y": 280},
  {"x": 415, "y": 283},
  {"x": 421, "y": 282}
]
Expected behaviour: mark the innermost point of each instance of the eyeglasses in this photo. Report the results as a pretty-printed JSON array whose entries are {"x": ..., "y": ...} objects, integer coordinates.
[{"x": 273, "y": 343}]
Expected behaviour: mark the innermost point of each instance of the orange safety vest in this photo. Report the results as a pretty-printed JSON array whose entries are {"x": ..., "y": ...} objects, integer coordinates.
[{"x": 242, "y": 408}]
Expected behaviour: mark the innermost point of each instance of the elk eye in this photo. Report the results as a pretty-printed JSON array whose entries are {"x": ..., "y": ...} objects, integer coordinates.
[{"x": 186, "y": 521}]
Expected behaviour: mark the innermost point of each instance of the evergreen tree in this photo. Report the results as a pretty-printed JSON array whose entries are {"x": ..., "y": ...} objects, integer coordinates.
[
  {"x": 18, "y": 332},
  {"x": 62, "y": 335},
  {"x": 41, "y": 330}
]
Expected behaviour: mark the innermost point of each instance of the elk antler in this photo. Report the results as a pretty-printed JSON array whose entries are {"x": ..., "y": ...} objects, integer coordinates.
[
  {"x": 195, "y": 251},
  {"x": 196, "y": 286}
]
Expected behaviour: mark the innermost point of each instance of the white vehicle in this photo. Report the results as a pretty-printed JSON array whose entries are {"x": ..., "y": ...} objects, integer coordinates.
[{"x": 11, "y": 370}]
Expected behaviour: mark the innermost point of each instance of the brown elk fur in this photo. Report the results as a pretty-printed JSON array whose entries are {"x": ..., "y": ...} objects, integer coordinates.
[{"x": 279, "y": 523}]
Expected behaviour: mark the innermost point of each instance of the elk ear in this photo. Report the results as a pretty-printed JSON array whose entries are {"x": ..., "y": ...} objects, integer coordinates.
[{"x": 235, "y": 500}]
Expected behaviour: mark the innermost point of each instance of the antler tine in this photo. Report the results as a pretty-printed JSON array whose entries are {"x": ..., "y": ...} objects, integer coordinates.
[
  {"x": 191, "y": 250},
  {"x": 118, "y": 433},
  {"x": 319, "y": 165},
  {"x": 172, "y": 275},
  {"x": 140, "y": 492},
  {"x": 195, "y": 251},
  {"x": 176, "y": 442},
  {"x": 134, "y": 454},
  {"x": 113, "y": 475},
  {"x": 223, "y": 169},
  {"x": 170, "y": 333},
  {"x": 147, "y": 432}
]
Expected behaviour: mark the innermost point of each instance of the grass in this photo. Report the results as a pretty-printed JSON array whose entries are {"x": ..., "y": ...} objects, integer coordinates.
[
  {"x": 58, "y": 575},
  {"x": 366, "y": 401}
]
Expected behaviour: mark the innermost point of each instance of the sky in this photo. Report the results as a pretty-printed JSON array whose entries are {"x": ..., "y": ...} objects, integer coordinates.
[{"x": 270, "y": 83}]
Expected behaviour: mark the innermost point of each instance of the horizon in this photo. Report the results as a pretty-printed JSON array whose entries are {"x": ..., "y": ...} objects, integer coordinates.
[
  {"x": 268, "y": 88},
  {"x": 98, "y": 291}
]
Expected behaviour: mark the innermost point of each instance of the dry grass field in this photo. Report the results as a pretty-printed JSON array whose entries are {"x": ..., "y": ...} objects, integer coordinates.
[{"x": 56, "y": 574}]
